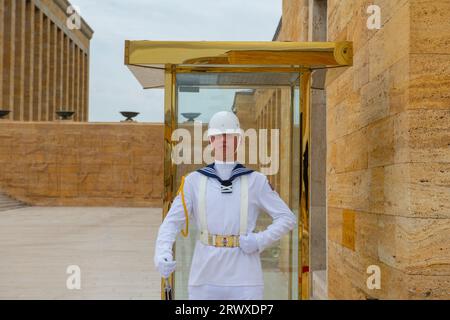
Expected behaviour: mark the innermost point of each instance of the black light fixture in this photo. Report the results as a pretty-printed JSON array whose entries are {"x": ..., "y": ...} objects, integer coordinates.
[
  {"x": 129, "y": 115},
  {"x": 65, "y": 115},
  {"x": 4, "y": 113},
  {"x": 191, "y": 116}
]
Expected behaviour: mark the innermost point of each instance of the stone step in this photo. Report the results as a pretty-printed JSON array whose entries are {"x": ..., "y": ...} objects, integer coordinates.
[
  {"x": 8, "y": 203},
  {"x": 11, "y": 208},
  {"x": 4, "y": 200}
]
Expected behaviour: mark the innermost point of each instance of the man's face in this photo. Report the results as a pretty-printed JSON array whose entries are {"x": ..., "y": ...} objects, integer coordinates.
[{"x": 225, "y": 146}]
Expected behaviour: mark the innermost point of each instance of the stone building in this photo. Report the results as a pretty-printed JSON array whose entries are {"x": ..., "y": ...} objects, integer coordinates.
[
  {"x": 44, "y": 68},
  {"x": 44, "y": 65}
]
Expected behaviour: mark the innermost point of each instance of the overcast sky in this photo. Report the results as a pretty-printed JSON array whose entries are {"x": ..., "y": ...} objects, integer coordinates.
[{"x": 113, "y": 88}]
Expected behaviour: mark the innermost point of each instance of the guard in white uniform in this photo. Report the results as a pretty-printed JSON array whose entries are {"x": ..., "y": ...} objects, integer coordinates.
[{"x": 224, "y": 200}]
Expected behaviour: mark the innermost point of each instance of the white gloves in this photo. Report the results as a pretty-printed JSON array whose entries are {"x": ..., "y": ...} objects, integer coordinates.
[
  {"x": 165, "y": 264},
  {"x": 249, "y": 243}
]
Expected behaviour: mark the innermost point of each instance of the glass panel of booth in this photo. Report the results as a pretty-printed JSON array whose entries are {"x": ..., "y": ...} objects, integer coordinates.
[
  {"x": 267, "y": 105},
  {"x": 295, "y": 192}
]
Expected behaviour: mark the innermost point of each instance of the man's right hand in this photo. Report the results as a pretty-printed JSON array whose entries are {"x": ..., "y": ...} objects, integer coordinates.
[{"x": 166, "y": 265}]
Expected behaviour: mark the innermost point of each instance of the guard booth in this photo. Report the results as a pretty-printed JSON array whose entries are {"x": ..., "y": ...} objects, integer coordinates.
[{"x": 267, "y": 85}]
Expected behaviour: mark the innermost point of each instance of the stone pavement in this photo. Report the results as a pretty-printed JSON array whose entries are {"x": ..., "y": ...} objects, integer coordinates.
[{"x": 112, "y": 246}]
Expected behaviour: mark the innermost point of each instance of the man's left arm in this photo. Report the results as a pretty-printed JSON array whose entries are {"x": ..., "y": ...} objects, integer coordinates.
[{"x": 284, "y": 219}]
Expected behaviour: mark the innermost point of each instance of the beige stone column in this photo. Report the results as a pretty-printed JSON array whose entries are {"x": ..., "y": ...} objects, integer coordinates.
[
  {"x": 77, "y": 84},
  {"x": 71, "y": 76},
  {"x": 19, "y": 60},
  {"x": 2, "y": 45},
  {"x": 52, "y": 71},
  {"x": 78, "y": 79},
  {"x": 82, "y": 87},
  {"x": 8, "y": 56},
  {"x": 80, "y": 83},
  {"x": 86, "y": 89},
  {"x": 46, "y": 85},
  {"x": 74, "y": 82},
  {"x": 65, "y": 73},
  {"x": 59, "y": 70},
  {"x": 29, "y": 61},
  {"x": 38, "y": 75}
]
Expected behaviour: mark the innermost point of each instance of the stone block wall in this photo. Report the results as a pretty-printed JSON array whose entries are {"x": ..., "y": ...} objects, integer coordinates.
[
  {"x": 388, "y": 179},
  {"x": 82, "y": 164},
  {"x": 388, "y": 147}
]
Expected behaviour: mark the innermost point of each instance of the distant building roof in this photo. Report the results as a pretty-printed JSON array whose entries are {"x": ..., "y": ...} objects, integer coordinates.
[{"x": 85, "y": 28}]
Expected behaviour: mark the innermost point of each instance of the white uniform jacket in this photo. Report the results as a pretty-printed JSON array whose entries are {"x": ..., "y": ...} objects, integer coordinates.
[{"x": 220, "y": 265}]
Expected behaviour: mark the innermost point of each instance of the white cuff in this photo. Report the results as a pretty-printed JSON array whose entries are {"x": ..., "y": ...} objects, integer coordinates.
[{"x": 259, "y": 240}]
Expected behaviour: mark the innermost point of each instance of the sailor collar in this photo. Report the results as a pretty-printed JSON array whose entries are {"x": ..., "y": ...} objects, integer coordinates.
[{"x": 226, "y": 186}]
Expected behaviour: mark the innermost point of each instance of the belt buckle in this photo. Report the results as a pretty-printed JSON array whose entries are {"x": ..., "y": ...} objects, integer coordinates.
[
  {"x": 220, "y": 241},
  {"x": 225, "y": 241}
]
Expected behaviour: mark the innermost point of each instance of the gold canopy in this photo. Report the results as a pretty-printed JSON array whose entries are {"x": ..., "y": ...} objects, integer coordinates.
[{"x": 148, "y": 60}]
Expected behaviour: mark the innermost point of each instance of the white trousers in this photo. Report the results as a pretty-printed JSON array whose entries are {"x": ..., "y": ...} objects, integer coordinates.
[{"x": 213, "y": 292}]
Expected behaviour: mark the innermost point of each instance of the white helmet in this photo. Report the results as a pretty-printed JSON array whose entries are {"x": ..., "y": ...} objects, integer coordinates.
[{"x": 224, "y": 122}]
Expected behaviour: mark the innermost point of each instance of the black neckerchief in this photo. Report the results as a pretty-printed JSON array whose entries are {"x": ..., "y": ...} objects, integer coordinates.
[{"x": 226, "y": 186}]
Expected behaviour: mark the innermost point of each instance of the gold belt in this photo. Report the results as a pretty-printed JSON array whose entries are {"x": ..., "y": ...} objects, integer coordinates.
[{"x": 223, "y": 241}]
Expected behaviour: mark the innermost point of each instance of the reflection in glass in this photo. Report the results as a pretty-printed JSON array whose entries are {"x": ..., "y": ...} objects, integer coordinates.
[{"x": 261, "y": 101}]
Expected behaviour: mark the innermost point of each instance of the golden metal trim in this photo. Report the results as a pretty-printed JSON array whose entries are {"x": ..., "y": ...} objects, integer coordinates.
[
  {"x": 241, "y": 69},
  {"x": 201, "y": 55},
  {"x": 182, "y": 52},
  {"x": 343, "y": 53},
  {"x": 127, "y": 52},
  {"x": 304, "y": 213},
  {"x": 291, "y": 164},
  {"x": 169, "y": 168}
]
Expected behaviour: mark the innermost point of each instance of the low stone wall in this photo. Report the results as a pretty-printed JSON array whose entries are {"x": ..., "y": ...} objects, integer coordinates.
[{"x": 82, "y": 164}]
